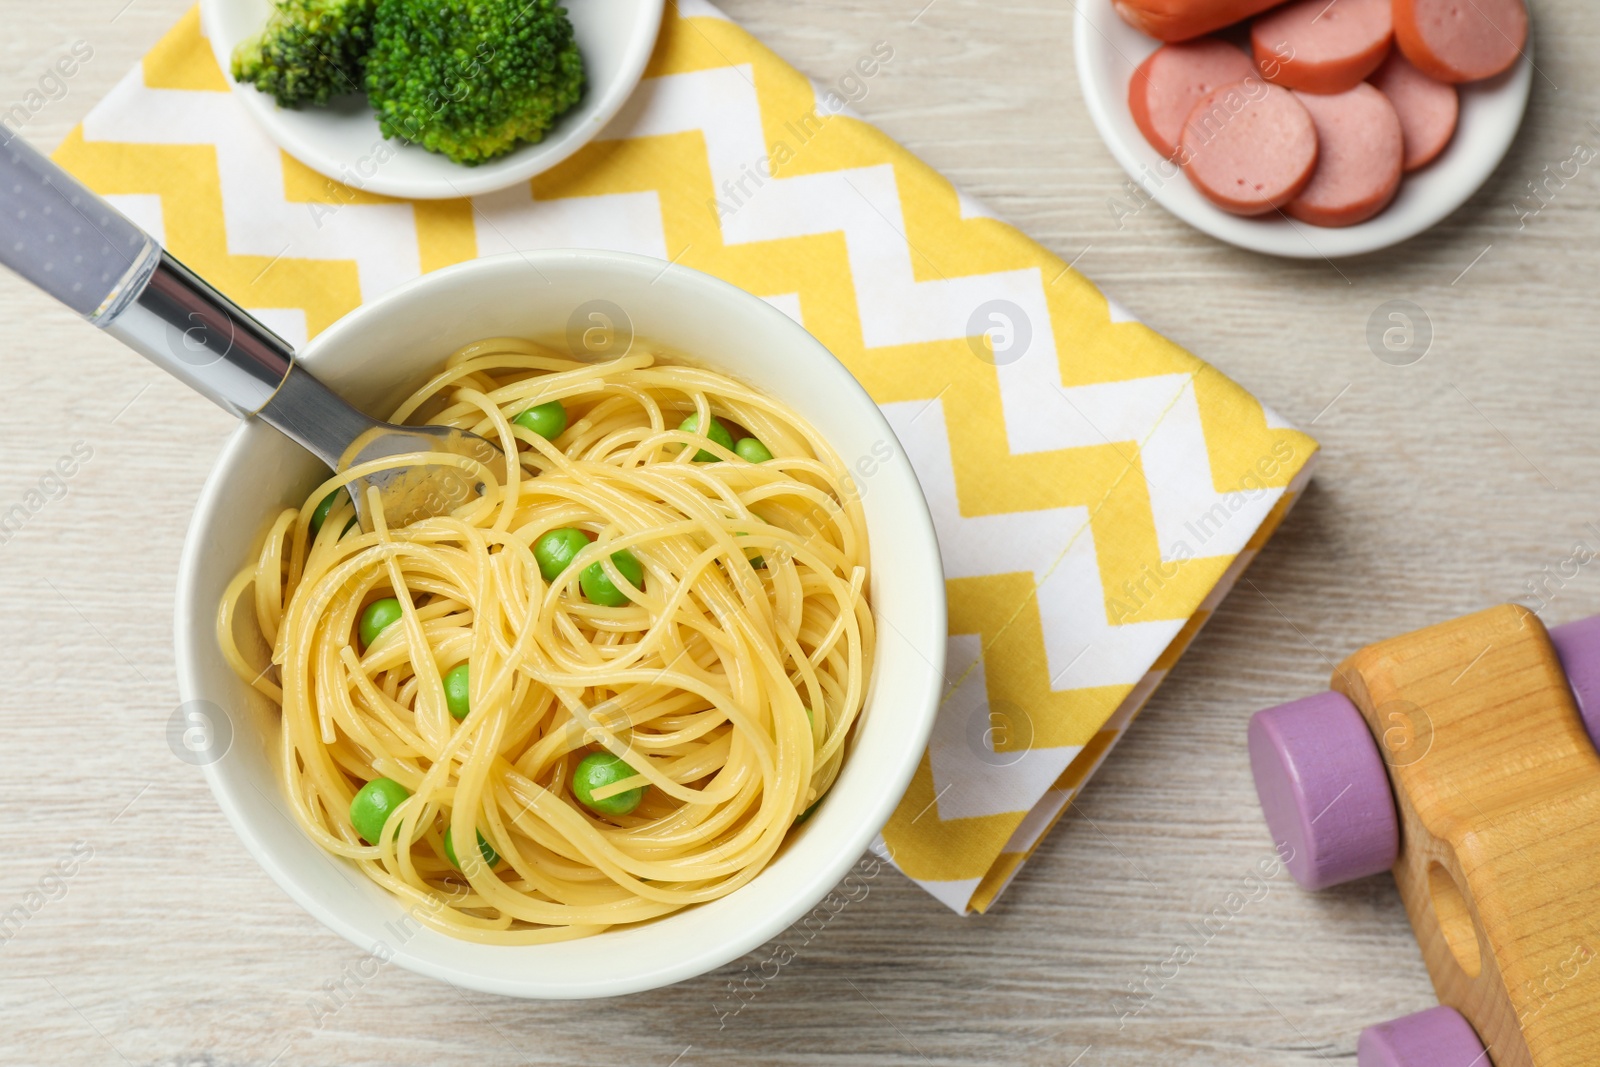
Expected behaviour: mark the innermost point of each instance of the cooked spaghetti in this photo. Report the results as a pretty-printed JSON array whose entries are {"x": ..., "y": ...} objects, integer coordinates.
[{"x": 627, "y": 670}]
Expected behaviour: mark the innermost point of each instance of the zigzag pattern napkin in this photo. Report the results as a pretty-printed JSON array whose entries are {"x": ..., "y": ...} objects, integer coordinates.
[{"x": 1096, "y": 488}]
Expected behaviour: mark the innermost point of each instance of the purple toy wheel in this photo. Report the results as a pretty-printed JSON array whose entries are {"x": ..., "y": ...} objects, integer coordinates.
[
  {"x": 1438, "y": 1037},
  {"x": 1578, "y": 646},
  {"x": 1324, "y": 791}
]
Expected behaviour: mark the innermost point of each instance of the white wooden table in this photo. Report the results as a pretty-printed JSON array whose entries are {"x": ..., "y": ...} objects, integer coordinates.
[{"x": 1446, "y": 486}]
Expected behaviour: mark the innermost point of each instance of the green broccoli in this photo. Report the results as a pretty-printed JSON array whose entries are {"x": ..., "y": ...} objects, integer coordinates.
[
  {"x": 309, "y": 51},
  {"x": 470, "y": 79}
]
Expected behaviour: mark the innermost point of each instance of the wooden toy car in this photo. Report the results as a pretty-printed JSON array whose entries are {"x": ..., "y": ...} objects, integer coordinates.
[{"x": 1463, "y": 758}]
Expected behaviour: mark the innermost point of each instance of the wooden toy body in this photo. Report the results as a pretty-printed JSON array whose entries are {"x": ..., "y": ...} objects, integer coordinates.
[{"x": 1497, "y": 787}]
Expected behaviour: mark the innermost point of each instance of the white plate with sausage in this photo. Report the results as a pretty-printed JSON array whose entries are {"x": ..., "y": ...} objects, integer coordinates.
[{"x": 1109, "y": 50}]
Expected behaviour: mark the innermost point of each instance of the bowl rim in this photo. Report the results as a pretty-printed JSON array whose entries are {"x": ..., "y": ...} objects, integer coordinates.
[
  {"x": 1502, "y": 100},
  {"x": 193, "y": 631},
  {"x": 524, "y": 163}
]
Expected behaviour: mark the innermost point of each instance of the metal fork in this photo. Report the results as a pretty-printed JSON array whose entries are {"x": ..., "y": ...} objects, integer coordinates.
[{"x": 82, "y": 251}]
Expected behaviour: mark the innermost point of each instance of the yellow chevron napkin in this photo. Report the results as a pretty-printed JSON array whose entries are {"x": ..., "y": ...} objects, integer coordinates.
[{"x": 1096, "y": 488}]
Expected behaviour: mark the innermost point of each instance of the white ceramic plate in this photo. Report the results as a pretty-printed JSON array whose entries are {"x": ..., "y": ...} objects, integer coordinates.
[
  {"x": 378, "y": 354},
  {"x": 1108, "y": 50},
  {"x": 343, "y": 142}
]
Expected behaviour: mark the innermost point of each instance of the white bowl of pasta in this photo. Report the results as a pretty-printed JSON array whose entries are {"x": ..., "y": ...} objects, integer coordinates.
[{"x": 675, "y": 690}]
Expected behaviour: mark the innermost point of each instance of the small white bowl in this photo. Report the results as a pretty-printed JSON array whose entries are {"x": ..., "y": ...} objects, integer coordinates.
[
  {"x": 378, "y": 354},
  {"x": 1107, "y": 51},
  {"x": 342, "y": 141}
]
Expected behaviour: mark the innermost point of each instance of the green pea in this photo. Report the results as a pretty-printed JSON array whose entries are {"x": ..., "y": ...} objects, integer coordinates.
[
  {"x": 490, "y": 856},
  {"x": 379, "y": 616},
  {"x": 718, "y": 433},
  {"x": 372, "y": 806},
  {"x": 598, "y": 770},
  {"x": 555, "y": 548},
  {"x": 599, "y": 588},
  {"x": 755, "y": 561},
  {"x": 751, "y": 450},
  {"x": 320, "y": 515},
  {"x": 457, "y": 691},
  {"x": 547, "y": 419}
]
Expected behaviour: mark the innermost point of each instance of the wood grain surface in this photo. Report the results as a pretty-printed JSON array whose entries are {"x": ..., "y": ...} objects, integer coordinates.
[{"x": 1142, "y": 932}]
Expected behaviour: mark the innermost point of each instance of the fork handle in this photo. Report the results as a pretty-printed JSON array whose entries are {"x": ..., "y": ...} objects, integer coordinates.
[
  {"x": 191, "y": 331},
  {"x": 79, "y": 249}
]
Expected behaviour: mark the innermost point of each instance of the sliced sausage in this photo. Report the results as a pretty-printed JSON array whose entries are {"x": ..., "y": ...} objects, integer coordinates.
[
  {"x": 1322, "y": 46},
  {"x": 1179, "y": 20},
  {"x": 1428, "y": 109},
  {"x": 1168, "y": 85},
  {"x": 1249, "y": 147},
  {"x": 1358, "y": 170},
  {"x": 1461, "y": 40}
]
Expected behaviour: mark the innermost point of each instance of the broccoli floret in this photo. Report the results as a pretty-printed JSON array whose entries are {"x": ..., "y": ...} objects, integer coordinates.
[
  {"x": 470, "y": 79},
  {"x": 309, "y": 51}
]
